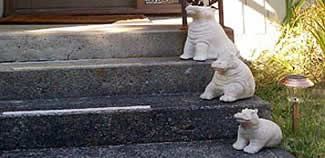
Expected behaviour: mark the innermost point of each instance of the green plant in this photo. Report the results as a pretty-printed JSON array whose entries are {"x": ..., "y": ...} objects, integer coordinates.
[
  {"x": 310, "y": 13},
  {"x": 319, "y": 33},
  {"x": 291, "y": 6},
  {"x": 317, "y": 22},
  {"x": 300, "y": 48}
]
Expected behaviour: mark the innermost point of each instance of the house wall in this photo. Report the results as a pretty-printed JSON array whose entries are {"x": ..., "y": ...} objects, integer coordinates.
[
  {"x": 254, "y": 22},
  {"x": 85, "y": 7},
  {"x": 53, "y": 4},
  {"x": 1, "y": 8}
]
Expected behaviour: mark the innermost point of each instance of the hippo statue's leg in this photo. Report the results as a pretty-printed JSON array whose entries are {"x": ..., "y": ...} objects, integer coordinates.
[
  {"x": 241, "y": 142},
  {"x": 254, "y": 146},
  {"x": 211, "y": 92},
  {"x": 232, "y": 92},
  {"x": 201, "y": 51},
  {"x": 188, "y": 50}
]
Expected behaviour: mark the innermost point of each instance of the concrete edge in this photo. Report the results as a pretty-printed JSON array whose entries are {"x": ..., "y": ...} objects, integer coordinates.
[
  {"x": 280, "y": 153},
  {"x": 211, "y": 148},
  {"x": 95, "y": 63}
]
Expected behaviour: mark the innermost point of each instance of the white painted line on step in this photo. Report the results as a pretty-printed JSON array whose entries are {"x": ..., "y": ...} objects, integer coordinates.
[{"x": 74, "y": 111}]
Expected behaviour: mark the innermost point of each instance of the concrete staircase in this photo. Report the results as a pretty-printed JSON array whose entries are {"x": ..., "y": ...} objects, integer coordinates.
[
  {"x": 111, "y": 91},
  {"x": 196, "y": 149},
  {"x": 73, "y": 42},
  {"x": 102, "y": 77}
]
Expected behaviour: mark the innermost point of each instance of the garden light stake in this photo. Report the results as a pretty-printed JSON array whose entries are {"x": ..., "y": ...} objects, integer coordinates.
[{"x": 295, "y": 83}]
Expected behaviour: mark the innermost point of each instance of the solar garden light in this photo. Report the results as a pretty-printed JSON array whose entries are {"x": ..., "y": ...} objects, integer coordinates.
[{"x": 296, "y": 85}]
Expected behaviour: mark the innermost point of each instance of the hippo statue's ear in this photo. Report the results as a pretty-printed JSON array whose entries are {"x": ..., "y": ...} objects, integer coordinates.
[
  {"x": 213, "y": 7},
  {"x": 195, "y": 2}
]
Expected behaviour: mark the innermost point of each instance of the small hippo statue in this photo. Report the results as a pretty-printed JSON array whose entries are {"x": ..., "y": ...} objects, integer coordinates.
[{"x": 254, "y": 133}]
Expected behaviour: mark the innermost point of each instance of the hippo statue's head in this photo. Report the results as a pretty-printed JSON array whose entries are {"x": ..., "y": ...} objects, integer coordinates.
[
  {"x": 200, "y": 12},
  {"x": 247, "y": 117}
]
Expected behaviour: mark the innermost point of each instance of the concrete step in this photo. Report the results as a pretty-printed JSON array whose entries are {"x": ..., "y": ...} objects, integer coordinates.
[
  {"x": 106, "y": 77},
  {"x": 199, "y": 149},
  {"x": 119, "y": 120},
  {"x": 71, "y": 42}
]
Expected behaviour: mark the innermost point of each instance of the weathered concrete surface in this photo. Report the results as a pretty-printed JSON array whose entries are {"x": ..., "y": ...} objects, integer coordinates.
[
  {"x": 199, "y": 149},
  {"x": 70, "y": 42},
  {"x": 106, "y": 77},
  {"x": 178, "y": 117}
]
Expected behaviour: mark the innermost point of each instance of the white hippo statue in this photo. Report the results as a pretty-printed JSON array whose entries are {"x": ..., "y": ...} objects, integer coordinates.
[
  {"x": 255, "y": 133},
  {"x": 232, "y": 80},
  {"x": 206, "y": 38}
]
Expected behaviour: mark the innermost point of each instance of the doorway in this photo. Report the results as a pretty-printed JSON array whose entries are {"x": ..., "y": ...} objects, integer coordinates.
[{"x": 93, "y": 7}]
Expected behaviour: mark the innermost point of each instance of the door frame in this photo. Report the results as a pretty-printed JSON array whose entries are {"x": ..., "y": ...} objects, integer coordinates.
[{"x": 10, "y": 9}]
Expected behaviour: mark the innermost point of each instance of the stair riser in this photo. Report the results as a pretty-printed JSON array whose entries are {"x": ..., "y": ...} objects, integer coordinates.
[
  {"x": 111, "y": 81},
  {"x": 197, "y": 149},
  {"x": 73, "y": 46},
  {"x": 121, "y": 127}
]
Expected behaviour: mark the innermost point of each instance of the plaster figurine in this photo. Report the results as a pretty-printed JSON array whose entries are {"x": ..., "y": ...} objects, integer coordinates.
[
  {"x": 232, "y": 80},
  {"x": 255, "y": 133},
  {"x": 206, "y": 38}
]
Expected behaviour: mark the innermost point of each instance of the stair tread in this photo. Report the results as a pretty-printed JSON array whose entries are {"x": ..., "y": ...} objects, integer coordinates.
[
  {"x": 39, "y": 30},
  {"x": 198, "y": 149},
  {"x": 102, "y": 77},
  {"x": 185, "y": 100},
  {"x": 80, "y": 122},
  {"x": 52, "y": 43}
]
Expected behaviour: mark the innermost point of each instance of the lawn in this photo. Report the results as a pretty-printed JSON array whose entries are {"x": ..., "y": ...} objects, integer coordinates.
[
  {"x": 309, "y": 141},
  {"x": 300, "y": 50}
]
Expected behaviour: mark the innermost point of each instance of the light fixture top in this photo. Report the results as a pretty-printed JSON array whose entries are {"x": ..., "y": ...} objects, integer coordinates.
[{"x": 296, "y": 81}]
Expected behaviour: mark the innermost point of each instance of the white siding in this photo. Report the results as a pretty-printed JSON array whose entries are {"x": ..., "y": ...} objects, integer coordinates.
[{"x": 254, "y": 23}]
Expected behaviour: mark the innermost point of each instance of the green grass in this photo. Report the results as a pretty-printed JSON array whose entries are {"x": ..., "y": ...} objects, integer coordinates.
[
  {"x": 300, "y": 50},
  {"x": 309, "y": 141}
]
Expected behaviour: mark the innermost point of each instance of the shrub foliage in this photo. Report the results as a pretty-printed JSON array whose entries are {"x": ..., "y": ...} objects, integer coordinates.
[{"x": 300, "y": 48}]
